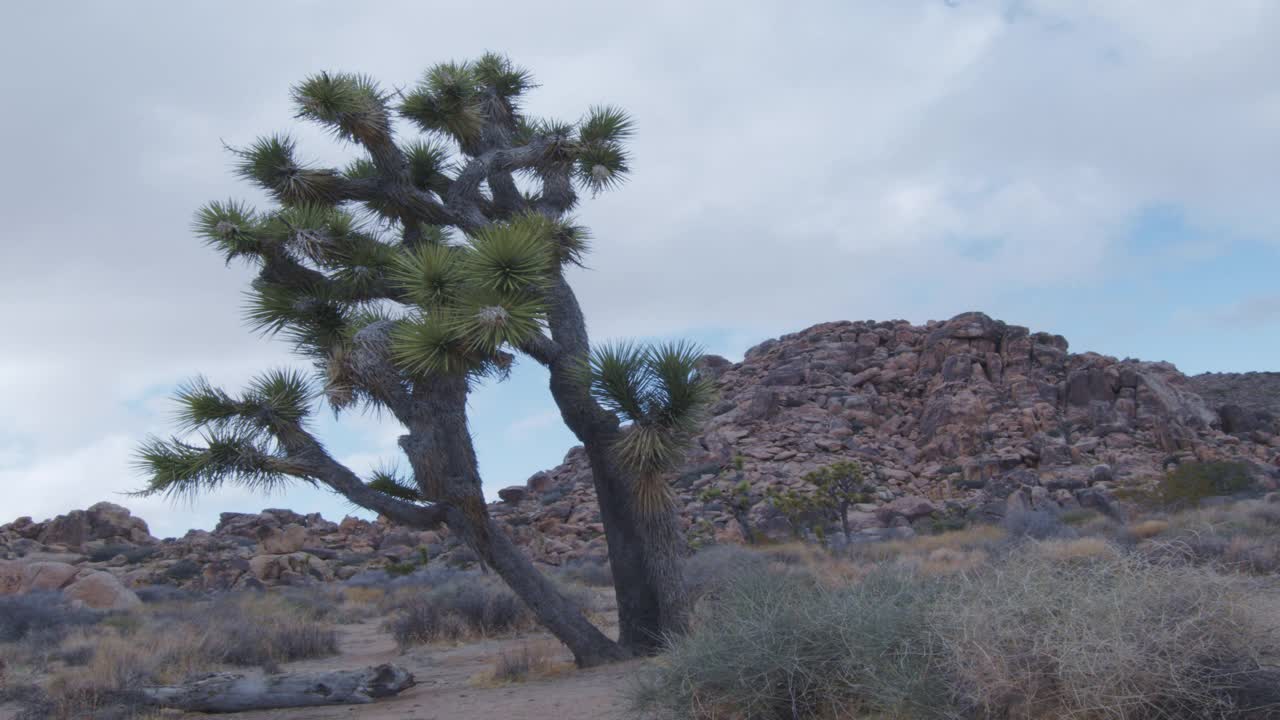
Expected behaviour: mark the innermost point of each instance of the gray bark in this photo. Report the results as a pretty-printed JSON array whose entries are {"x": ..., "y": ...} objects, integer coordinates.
[
  {"x": 644, "y": 550},
  {"x": 238, "y": 692}
]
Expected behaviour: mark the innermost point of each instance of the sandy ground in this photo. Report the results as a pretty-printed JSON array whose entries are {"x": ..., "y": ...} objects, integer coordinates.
[{"x": 451, "y": 684}]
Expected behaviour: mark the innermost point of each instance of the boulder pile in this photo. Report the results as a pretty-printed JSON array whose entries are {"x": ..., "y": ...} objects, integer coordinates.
[{"x": 970, "y": 417}]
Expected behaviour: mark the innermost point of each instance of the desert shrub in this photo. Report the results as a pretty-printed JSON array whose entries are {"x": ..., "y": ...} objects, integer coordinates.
[
  {"x": 184, "y": 569},
  {"x": 1035, "y": 524},
  {"x": 587, "y": 571},
  {"x": 249, "y": 630},
  {"x": 47, "y": 614},
  {"x": 455, "y": 610},
  {"x": 1079, "y": 516},
  {"x": 1120, "y": 637},
  {"x": 419, "y": 620},
  {"x": 1045, "y": 633},
  {"x": 715, "y": 566},
  {"x": 1242, "y": 536},
  {"x": 1192, "y": 482},
  {"x": 132, "y": 553},
  {"x": 772, "y": 647},
  {"x": 152, "y": 594}
]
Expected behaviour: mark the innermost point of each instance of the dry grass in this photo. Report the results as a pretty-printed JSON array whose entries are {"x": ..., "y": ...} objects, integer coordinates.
[
  {"x": 1086, "y": 548},
  {"x": 86, "y": 669},
  {"x": 1149, "y": 528},
  {"x": 970, "y": 538},
  {"x": 531, "y": 660},
  {"x": 1076, "y": 628}
]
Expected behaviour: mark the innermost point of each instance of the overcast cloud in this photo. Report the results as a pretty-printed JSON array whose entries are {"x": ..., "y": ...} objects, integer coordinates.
[{"x": 1104, "y": 169}]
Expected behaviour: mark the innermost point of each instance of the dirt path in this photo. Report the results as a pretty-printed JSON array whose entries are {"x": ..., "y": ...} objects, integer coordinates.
[{"x": 451, "y": 684}]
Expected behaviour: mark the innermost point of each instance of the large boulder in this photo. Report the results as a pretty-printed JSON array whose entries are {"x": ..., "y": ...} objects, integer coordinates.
[
  {"x": 284, "y": 541},
  {"x": 101, "y": 591},
  {"x": 46, "y": 576}
]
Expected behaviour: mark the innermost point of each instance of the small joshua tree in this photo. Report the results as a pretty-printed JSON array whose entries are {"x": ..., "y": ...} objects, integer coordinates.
[
  {"x": 737, "y": 496},
  {"x": 832, "y": 491},
  {"x": 836, "y": 488},
  {"x": 459, "y": 271}
]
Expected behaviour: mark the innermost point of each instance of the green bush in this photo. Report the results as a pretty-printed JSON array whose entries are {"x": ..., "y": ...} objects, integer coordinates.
[
  {"x": 1192, "y": 482},
  {"x": 1039, "y": 634},
  {"x": 775, "y": 646}
]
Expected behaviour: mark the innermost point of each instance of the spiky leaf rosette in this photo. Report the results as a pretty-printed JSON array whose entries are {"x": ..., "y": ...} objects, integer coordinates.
[
  {"x": 659, "y": 391},
  {"x": 514, "y": 257},
  {"x": 490, "y": 319},
  {"x": 390, "y": 482},
  {"x": 447, "y": 100},
  {"x": 601, "y": 161},
  {"x": 430, "y": 275},
  {"x": 176, "y": 468},
  {"x": 231, "y": 227},
  {"x": 506, "y": 79},
  {"x": 351, "y": 106},
  {"x": 270, "y": 163},
  {"x": 429, "y": 166},
  {"x": 242, "y": 438},
  {"x": 311, "y": 317},
  {"x": 431, "y": 344}
]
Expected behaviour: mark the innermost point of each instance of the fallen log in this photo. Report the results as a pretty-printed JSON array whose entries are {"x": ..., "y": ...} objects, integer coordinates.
[{"x": 235, "y": 692}]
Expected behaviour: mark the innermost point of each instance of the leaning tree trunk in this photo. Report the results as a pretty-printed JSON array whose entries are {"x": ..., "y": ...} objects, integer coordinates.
[
  {"x": 444, "y": 462},
  {"x": 238, "y": 692},
  {"x": 644, "y": 552}
]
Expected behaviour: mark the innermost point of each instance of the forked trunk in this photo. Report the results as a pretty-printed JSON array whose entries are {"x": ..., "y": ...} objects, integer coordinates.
[{"x": 561, "y": 617}]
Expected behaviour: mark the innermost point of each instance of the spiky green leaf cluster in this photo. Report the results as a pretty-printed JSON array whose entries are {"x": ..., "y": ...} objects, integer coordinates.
[
  {"x": 602, "y": 161},
  {"x": 429, "y": 166},
  {"x": 390, "y": 482},
  {"x": 659, "y": 391},
  {"x": 447, "y": 100},
  {"x": 842, "y": 482},
  {"x": 270, "y": 163},
  {"x": 427, "y": 344},
  {"x": 474, "y": 298},
  {"x": 507, "y": 80},
  {"x": 231, "y": 227},
  {"x": 241, "y": 438},
  {"x": 351, "y": 106},
  {"x": 310, "y": 317},
  {"x": 176, "y": 468}
]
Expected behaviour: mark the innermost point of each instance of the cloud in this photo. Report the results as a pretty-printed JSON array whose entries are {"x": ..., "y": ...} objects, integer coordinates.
[{"x": 890, "y": 159}]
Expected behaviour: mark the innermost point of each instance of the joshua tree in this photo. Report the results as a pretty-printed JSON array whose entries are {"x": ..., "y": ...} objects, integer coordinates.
[
  {"x": 457, "y": 270},
  {"x": 838, "y": 486},
  {"x": 832, "y": 491},
  {"x": 738, "y": 497}
]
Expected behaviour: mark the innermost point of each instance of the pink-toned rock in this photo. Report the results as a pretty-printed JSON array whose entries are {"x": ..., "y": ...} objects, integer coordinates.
[
  {"x": 47, "y": 576},
  {"x": 102, "y": 591},
  {"x": 910, "y": 507},
  {"x": 289, "y": 539},
  {"x": 11, "y": 574},
  {"x": 512, "y": 495}
]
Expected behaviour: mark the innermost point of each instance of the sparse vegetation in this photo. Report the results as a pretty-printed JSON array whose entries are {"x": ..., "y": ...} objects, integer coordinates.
[
  {"x": 454, "y": 611},
  {"x": 73, "y": 664},
  {"x": 1077, "y": 628}
]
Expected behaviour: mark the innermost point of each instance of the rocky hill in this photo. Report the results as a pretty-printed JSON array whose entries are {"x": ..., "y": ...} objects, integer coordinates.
[{"x": 967, "y": 417}]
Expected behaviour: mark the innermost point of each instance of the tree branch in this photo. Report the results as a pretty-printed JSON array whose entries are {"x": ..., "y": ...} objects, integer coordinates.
[
  {"x": 541, "y": 348},
  {"x": 463, "y": 199},
  {"x": 307, "y": 457},
  {"x": 371, "y": 364}
]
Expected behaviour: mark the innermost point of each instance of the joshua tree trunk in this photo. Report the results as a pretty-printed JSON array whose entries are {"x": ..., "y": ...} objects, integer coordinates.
[
  {"x": 443, "y": 458},
  {"x": 844, "y": 521},
  {"x": 644, "y": 549}
]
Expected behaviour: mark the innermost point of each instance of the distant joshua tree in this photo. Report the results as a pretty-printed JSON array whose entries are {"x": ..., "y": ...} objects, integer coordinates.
[{"x": 458, "y": 269}]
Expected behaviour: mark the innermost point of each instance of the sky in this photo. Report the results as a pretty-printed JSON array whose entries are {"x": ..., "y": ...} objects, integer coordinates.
[{"x": 1103, "y": 169}]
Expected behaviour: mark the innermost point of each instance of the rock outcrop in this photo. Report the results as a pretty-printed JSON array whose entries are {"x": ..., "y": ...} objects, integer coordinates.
[{"x": 967, "y": 417}]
